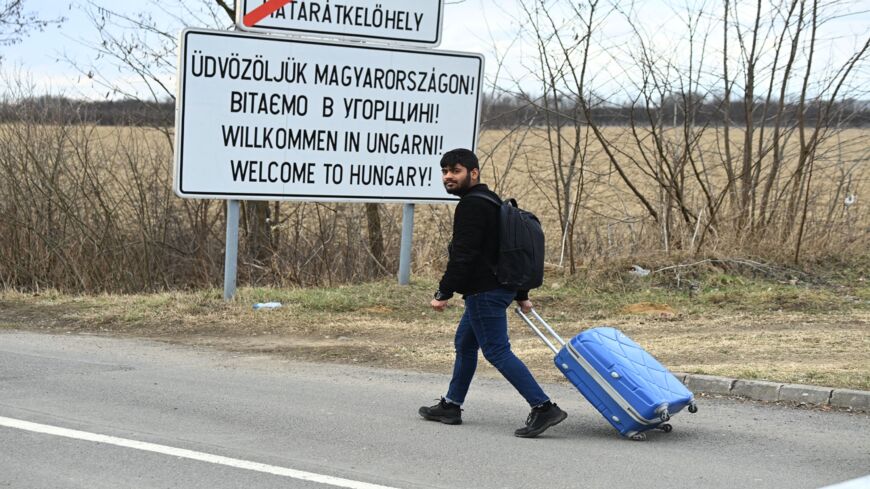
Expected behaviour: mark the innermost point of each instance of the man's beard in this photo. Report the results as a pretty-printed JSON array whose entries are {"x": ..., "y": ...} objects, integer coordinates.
[{"x": 461, "y": 187}]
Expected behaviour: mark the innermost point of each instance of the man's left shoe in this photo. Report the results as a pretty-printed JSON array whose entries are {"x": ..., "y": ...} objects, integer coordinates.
[
  {"x": 445, "y": 412},
  {"x": 540, "y": 419}
]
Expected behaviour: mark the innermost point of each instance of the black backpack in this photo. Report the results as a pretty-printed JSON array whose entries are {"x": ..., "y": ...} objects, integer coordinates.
[{"x": 520, "y": 246}]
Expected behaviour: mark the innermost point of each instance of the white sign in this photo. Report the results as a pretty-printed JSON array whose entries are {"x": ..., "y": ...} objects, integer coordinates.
[
  {"x": 417, "y": 21},
  {"x": 266, "y": 118}
]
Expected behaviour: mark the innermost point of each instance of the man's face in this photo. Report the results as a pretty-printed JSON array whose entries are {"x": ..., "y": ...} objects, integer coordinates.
[{"x": 457, "y": 179}]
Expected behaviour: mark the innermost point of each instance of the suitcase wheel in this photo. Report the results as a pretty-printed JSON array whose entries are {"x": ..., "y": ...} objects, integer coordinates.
[
  {"x": 638, "y": 437},
  {"x": 693, "y": 408},
  {"x": 667, "y": 428}
]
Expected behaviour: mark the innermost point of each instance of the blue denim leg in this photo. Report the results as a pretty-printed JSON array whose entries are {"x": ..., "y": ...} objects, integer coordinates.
[
  {"x": 466, "y": 360},
  {"x": 486, "y": 319}
]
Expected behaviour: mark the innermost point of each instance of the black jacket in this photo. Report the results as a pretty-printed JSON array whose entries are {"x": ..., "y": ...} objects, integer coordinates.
[{"x": 474, "y": 247}]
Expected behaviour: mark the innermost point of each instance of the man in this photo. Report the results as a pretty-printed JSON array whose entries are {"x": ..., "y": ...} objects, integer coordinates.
[{"x": 473, "y": 254}]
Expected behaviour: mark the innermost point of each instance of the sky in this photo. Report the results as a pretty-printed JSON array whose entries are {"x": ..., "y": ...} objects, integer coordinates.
[{"x": 58, "y": 60}]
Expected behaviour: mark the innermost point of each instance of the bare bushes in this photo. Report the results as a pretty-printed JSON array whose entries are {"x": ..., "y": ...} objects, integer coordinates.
[
  {"x": 91, "y": 209},
  {"x": 83, "y": 208}
]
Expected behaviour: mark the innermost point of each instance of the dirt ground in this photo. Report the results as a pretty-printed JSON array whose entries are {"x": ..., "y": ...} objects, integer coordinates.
[
  {"x": 800, "y": 355},
  {"x": 788, "y": 346}
]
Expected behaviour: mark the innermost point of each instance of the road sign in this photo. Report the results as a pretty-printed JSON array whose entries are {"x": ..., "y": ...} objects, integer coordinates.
[
  {"x": 416, "y": 22},
  {"x": 268, "y": 118},
  {"x": 270, "y": 7}
]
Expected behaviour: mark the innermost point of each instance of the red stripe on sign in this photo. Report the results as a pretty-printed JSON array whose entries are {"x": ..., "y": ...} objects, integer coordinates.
[{"x": 263, "y": 11}]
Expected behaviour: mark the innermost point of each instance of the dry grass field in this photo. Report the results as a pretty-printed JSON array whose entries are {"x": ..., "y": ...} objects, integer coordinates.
[
  {"x": 612, "y": 220},
  {"x": 87, "y": 208}
]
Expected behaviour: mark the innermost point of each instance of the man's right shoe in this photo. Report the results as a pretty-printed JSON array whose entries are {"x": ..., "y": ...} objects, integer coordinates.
[
  {"x": 445, "y": 412},
  {"x": 540, "y": 419}
]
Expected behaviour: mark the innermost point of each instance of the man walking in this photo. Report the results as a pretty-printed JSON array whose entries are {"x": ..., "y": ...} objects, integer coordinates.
[{"x": 473, "y": 255}]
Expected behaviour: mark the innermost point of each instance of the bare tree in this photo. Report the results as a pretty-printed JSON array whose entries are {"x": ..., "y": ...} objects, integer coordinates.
[
  {"x": 563, "y": 50},
  {"x": 16, "y": 22},
  {"x": 778, "y": 107}
]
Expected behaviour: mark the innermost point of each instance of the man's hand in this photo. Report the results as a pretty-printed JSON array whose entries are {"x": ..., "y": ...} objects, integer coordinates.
[
  {"x": 438, "y": 305},
  {"x": 525, "y": 305}
]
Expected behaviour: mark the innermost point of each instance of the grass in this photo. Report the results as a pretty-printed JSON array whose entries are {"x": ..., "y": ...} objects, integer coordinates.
[{"x": 725, "y": 325}]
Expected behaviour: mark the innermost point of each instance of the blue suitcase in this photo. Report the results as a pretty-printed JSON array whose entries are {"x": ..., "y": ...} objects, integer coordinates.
[{"x": 630, "y": 388}]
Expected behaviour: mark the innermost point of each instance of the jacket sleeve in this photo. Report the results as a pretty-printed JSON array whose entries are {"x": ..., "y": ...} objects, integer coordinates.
[{"x": 469, "y": 225}]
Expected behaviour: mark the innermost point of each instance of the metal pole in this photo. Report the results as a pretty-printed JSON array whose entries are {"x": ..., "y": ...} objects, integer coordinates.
[
  {"x": 407, "y": 239},
  {"x": 231, "y": 252}
]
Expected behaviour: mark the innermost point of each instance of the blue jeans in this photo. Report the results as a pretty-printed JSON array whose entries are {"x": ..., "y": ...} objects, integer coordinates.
[{"x": 484, "y": 327}]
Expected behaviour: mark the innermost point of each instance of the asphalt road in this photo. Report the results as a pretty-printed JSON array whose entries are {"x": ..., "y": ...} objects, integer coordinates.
[{"x": 93, "y": 412}]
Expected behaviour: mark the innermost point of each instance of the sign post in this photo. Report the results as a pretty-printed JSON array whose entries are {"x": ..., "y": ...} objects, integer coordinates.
[
  {"x": 405, "y": 246},
  {"x": 262, "y": 117},
  {"x": 231, "y": 252}
]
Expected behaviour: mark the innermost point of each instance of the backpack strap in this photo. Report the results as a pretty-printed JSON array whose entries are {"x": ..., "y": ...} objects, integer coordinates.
[
  {"x": 484, "y": 196},
  {"x": 490, "y": 198}
]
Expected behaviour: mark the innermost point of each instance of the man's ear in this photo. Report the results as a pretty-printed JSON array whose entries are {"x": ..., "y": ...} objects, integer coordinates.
[{"x": 475, "y": 174}]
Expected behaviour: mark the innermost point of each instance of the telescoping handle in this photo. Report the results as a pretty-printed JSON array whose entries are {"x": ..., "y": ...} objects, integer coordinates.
[{"x": 537, "y": 330}]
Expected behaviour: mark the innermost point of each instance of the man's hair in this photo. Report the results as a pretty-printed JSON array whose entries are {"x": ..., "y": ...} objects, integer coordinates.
[{"x": 460, "y": 156}]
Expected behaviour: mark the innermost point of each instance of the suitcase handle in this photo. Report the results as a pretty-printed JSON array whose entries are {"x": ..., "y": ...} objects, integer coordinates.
[{"x": 537, "y": 330}]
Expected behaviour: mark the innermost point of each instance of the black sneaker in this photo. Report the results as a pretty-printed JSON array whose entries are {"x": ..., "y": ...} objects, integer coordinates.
[
  {"x": 541, "y": 418},
  {"x": 445, "y": 412}
]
